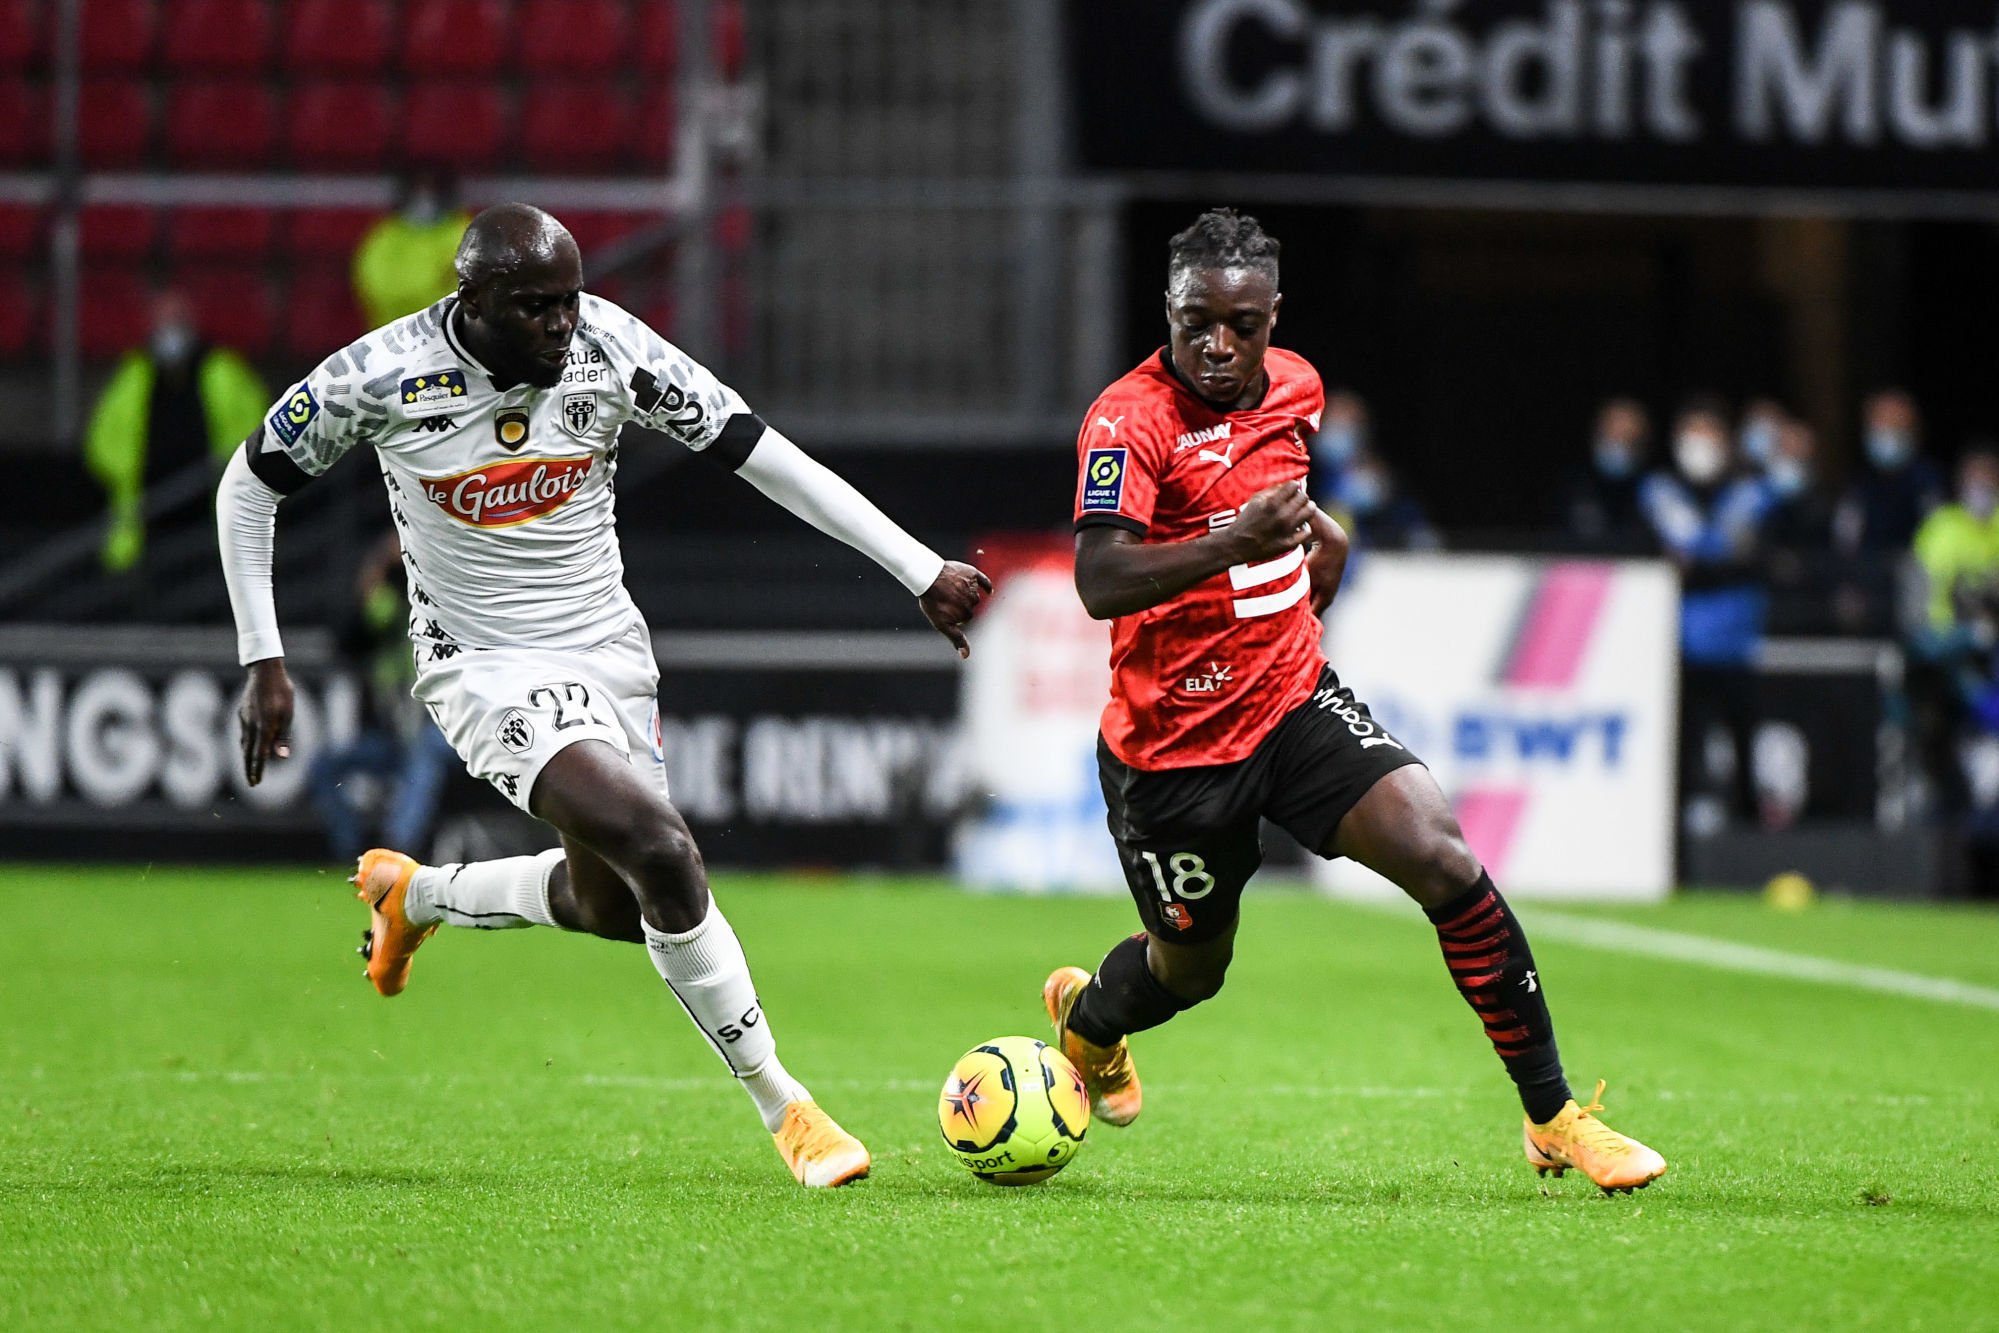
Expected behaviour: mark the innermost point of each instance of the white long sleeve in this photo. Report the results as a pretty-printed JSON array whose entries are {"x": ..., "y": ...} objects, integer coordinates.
[
  {"x": 246, "y": 523},
  {"x": 815, "y": 493}
]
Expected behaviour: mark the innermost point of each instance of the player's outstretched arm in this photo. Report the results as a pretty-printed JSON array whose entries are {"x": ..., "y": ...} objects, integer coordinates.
[
  {"x": 947, "y": 591},
  {"x": 1119, "y": 573},
  {"x": 246, "y": 515}
]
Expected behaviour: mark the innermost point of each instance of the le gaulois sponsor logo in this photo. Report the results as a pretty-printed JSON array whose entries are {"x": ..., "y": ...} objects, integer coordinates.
[{"x": 515, "y": 490}]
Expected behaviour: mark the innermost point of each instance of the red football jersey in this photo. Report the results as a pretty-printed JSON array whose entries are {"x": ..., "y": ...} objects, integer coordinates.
[{"x": 1203, "y": 677}]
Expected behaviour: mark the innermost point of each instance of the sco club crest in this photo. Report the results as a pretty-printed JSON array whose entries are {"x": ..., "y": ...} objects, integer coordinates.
[{"x": 579, "y": 413}]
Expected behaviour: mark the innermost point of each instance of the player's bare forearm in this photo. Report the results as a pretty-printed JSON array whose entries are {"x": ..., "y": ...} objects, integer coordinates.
[
  {"x": 1119, "y": 573},
  {"x": 265, "y": 716},
  {"x": 1326, "y": 563}
]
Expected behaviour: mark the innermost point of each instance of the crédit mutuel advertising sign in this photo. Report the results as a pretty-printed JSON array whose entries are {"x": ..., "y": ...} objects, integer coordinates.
[{"x": 1830, "y": 95}]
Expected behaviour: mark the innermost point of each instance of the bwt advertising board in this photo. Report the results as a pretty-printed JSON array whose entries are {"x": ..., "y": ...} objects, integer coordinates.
[
  {"x": 1854, "y": 95},
  {"x": 1542, "y": 696}
]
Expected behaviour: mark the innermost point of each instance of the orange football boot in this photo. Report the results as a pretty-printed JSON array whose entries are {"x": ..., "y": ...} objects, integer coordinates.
[
  {"x": 1576, "y": 1138},
  {"x": 1115, "y": 1096},
  {"x": 382, "y": 880},
  {"x": 820, "y": 1154}
]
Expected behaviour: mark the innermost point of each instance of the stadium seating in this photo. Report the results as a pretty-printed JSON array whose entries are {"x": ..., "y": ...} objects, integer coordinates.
[
  {"x": 117, "y": 35},
  {"x": 327, "y": 235},
  {"x": 217, "y": 36},
  {"x": 657, "y": 43},
  {"x": 242, "y": 235},
  {"x": 23, "y": 34},
  {"x": 594, "y": 230},
  {"x": 337, "y": 36},
  {"x": 231, "y": 307},
  {"x": 114, "y": 311},
  {"x": 24, "y": 124},
  {"x": 575, "y": 128},
  {"x": 347, "y": 126},
  {"x": 454, "y": 37},
  {"x": 23, "y": 312},
  {"x": 574, "y": 37},
  {"x": 114, "y": 123},
  {"x": 319, "y": 314},
  {"x": 462, "y": 124},
  {"x": 22, "y": 232},
  {"x": 221, "y": 124},
  {"x": 117, "y": 232}
]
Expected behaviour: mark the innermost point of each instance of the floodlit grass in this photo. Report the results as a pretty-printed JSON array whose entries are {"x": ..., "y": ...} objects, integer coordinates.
[{"x": 207, "y": 1119}]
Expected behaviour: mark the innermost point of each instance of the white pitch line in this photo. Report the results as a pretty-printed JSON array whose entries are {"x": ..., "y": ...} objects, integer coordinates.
[{"x": 1727, "y": 956}]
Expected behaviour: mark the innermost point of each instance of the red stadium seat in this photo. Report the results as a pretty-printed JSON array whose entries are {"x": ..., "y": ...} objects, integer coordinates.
[
  {"x": 593, "y": 231},
  {"x": 23, "y": 33},
  {"x": 114, "y": 310},
  {"x": 327, "y": 236},
  {"x": 23, "y": 313},
  {"x": 220, "y": 36},
  {"x": 463, "y": 124},
  {"x": 114, "y": 122},
  {"x": 337, "y": 36},
  {"x": 25, "y": 136},
  {"x": 117, "y": 231},
  {"x": 320, "y": 314},
  {"x": 230, "y": 124},
  {"x": 232, "y": 306},
  {"x": 657, "y": 45},
  {"x": 454, "y": 37},
  {"x": 731, "y": 35},
  {"x": 576, "y": 128},
  {"x": 339, "y": 125},
  {"x": 653, "y": 130},
  {"x": 571, "y": 37},
  {"x": 221, "y": 233},
  {"x": 117, "y": 35},
  {"x": 22, "y": 233}
]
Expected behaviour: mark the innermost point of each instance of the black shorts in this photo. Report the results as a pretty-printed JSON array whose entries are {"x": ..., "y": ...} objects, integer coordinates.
[{"x": 1189, "y": 838}]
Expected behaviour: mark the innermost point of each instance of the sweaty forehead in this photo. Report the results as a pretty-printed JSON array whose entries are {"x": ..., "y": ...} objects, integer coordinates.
[
  {"x": 1239, "y": 287},
  {"x": 553, "y": 270}
]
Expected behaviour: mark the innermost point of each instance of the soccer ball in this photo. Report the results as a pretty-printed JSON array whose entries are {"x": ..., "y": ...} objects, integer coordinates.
[{"x": 1014, "y": 1110}]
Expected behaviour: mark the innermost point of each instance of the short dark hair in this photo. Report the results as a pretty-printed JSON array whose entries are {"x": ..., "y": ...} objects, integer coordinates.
[{"x": 1223, "y": 238}]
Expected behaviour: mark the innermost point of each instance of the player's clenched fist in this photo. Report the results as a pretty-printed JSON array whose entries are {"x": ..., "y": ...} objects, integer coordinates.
[
  {"x": 1276, "y": 519},
  {"x": 951, "y": 599}
]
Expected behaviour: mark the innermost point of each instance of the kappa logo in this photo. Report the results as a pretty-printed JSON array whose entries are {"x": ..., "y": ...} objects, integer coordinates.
[
  {"x": 516, "y": 732},
  {"x": 436, "y": 425},
  {"x": 579, "y": 413}
]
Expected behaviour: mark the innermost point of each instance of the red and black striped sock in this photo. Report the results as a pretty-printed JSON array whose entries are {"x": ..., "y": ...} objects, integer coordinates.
[{"x": 1494, "y": 970}]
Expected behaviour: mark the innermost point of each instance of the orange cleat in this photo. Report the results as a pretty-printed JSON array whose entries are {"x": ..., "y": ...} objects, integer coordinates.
[
  {"x": 820, "y": 1154},
  {"x": 1115, "y": 1096},
  {"x": 381, "y": 880},
  {"x": 1576, "y": 1138}
]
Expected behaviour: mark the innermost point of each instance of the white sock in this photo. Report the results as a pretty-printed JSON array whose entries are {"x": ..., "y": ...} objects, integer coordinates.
[
  {"x": 484, "y": 895},
  {"x": 706, "y": 970}
]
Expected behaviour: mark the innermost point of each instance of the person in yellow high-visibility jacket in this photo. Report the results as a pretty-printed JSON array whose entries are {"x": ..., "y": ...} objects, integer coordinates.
[
  {"x": 405, "y": 262},
  {"x": 169, "y": 404}
]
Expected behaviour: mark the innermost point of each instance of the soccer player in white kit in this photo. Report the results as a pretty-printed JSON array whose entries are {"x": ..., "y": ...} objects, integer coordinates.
[{"x": 494, "y": 415}]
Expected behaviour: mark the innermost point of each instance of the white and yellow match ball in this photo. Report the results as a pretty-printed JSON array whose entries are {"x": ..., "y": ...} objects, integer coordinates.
[{"x": 1014, "y": 1110}]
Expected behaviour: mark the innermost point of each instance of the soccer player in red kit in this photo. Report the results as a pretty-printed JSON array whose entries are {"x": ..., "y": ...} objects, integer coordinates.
[{"x": 1195, "y": 538}]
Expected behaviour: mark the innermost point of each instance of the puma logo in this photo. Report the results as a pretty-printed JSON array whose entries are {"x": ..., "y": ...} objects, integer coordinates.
[
  {"x": 1223, "y": 457},
  {"x": 1110, "y": 425}
]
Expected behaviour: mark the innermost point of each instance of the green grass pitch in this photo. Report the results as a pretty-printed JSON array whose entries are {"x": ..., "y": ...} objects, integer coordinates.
[{"x": 207, "y": 1119}]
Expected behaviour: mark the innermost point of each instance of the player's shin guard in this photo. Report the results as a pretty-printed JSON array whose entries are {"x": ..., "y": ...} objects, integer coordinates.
[
  {"x": 1123, "y": 997},
  {"x": 706, "y": 970},
  {"x": 484, "y": 895},
  {"x": 1487, "y": 952}
]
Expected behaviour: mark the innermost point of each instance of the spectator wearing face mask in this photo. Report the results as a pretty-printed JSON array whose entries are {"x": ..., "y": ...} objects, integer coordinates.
[
  {"x": 1809, "y": 589},
  {"x": 1951, "y": 656},
  {"x": 1600, "y": 514},
  {"x": 406, "y": 261},
  {"x": 170, "y": 405},
  {"x": 1342, "y": 435},
  {"x": 1758, "y": 433},
  {"x": 1709, "y": 515},
  {"x": 1897, "y": 487},
  {"x": 1375, "y": 511}
]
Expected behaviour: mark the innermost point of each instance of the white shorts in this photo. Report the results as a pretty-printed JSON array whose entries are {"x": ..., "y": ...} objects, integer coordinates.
[{"x": 508, "y": 711}]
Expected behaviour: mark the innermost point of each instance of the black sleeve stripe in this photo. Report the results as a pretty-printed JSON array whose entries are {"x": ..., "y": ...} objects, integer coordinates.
[
  {"x": 1111, "y": 521},
  {"x": 740, "y": 434},
  {"x": 273, "y": 467}
]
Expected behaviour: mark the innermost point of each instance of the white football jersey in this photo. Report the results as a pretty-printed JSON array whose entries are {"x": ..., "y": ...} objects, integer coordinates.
[{"x": 501, "y": 492}]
